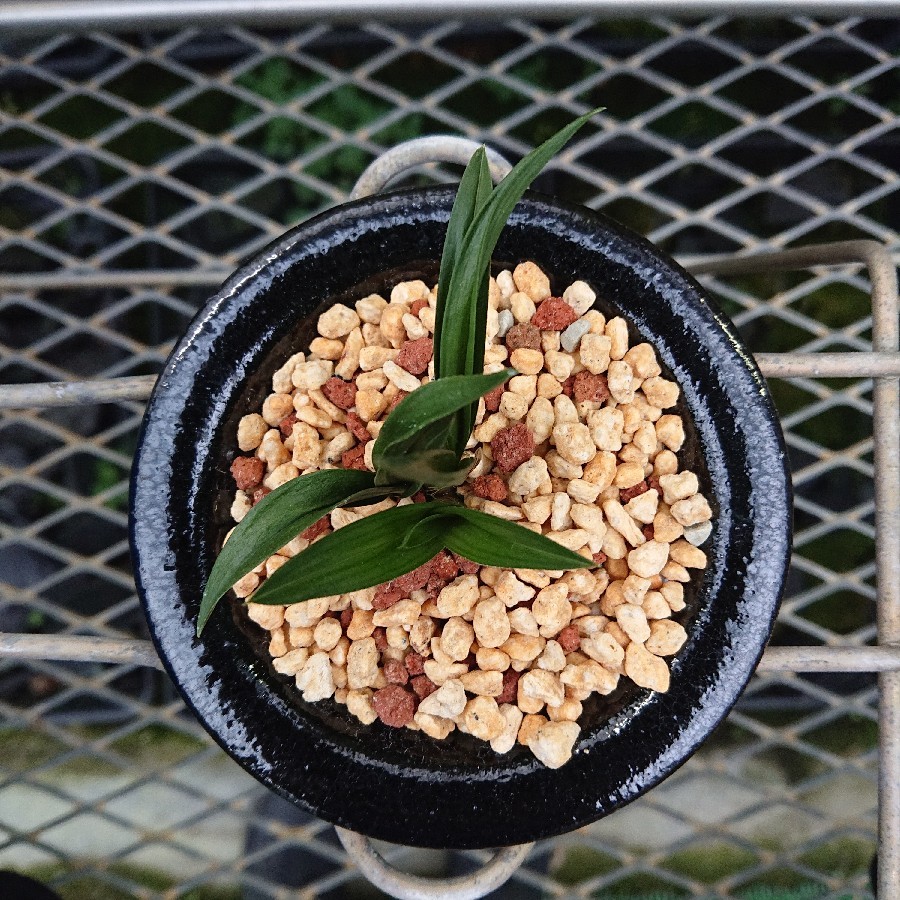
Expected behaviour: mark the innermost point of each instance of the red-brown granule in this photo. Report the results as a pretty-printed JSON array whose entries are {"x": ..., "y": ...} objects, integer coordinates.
[
  {"x": 259, "y": 493},
  {"x": 415, "y": 664},
  {"x": 394, "y": 705},
  {"x": 354, "y": 458},
  {"x": 443, "y": 569},
  {"x": 380, "y": 636},
  {"x": 523, "y": 335},
  {"x": 466, "y": 566},
  {"x": 653, "y": 484},
  {"x": 247, "y": 472},
  {"x": 386, "y": 595},
  {"x": 414, "y": 356},
  {"x": 588, "y": 387},
  {"x": 444, "y": 566},
  {"x": 395, "y": 672},
  {"x": 554, "y": 314},
  {"x": 318, "y": 527},
  {"x": 423, "y": 686},
  {"x": 648, "y": 532},
  {"x": 341, "y": 393},
  {"x": 490, "y": 487},
  {"x": 510, "y": 687},
  {"x": 357, "y": 428},
  {"x": 512, "y": 446},
  {"x": 418, "y": 497},
  {"x": 345, "y": 617},
  {"x": 599, "y": 557},
  {"x": 418, "y": 306},
  {"x": 493, "y": 397},
  {"x": 568, "y": 638},
  {"x": 568, "y": 386},
  {"x": 412, "y": 581},
  {"x": 286, "y": 425},
  {"x": 626, "y": 494}
]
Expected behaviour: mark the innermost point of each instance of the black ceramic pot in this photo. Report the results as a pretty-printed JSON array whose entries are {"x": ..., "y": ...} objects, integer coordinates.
[{"x": 396, "y": 784}]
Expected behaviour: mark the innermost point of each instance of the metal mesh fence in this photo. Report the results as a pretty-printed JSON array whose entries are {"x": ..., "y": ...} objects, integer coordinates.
[{"x": 139, "y": 169}]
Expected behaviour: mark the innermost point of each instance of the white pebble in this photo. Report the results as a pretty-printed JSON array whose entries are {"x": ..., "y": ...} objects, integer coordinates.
[
  {"x": 553, "y": 743},
  {"x": 572, "y": 336},
  {"x": 579, "y": 296},
  {"x": 399, "y": 376},
  {"x": 505, "y": 322},
  {"x": 697, "y": 534},
  {"x": 338, "y": 321},
  {"x": 448, "y": 701}
]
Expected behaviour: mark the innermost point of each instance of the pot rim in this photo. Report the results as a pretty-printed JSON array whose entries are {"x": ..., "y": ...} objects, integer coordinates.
[{"x": 463, "y": 807}]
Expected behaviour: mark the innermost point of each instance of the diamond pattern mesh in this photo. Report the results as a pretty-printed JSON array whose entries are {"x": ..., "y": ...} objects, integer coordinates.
[{"x": 138, "y": 170}]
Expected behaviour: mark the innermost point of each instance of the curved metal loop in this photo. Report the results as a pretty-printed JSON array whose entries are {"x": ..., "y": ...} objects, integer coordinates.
[
  {"x": 445, "y": 148},
  {"x": 413, "y": 887}
]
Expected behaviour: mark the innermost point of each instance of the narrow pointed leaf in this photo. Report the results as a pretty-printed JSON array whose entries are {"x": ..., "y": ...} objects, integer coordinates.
[
  {"x": 475, "y": 360},
  {"x": 491, "y": 219},
  {"x": 277, "y": 519},
  {"x": 470, "y": 197},
  {"x": 479, "y": 241},
  {"x": 429, "y": 404},
  {"x": 471, "y": 358},
  {"x": 491, "y": 541},
  {"x": 359, "y": 555},
  {"x": 465, "y": 418}
]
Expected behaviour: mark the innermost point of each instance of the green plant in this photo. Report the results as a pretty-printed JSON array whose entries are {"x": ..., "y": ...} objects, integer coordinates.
[{"x": 421, "y": 445}]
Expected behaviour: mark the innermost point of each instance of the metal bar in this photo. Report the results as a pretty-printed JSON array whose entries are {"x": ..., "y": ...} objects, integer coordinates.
[
  {"x": 43, "y": 281},
  {"x": 139, "y": 387},
  {"x": 132, "y": 15},
  {"x": 829, "y": 365},
  {"x": 886, "y": 430},
  {"x": 76, "y": 393},
  {"x": 830, "y": 659},
  {"x": 836, "y": 254},
  {"x": 69, "y": 648},
  {"x": 136, "y": 652}
]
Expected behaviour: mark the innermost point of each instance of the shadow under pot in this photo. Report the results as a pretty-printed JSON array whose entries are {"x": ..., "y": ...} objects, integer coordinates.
[{"x": 396, "y": 784}]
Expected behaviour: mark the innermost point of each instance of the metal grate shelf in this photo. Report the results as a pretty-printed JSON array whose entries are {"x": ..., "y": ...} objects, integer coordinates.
[{"x": 139, "y": 169}]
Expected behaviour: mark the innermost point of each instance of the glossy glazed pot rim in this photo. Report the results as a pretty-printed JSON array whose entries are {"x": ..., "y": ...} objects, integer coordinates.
[{"x": 511, "y": 800}]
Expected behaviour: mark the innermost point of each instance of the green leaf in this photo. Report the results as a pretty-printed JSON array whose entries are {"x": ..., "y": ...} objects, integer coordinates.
[
  {"x": 474, "y": 251},
  {"x": 491, "y": 541},
  {"x": 359, "y": 555},
  {"x": 438, "y": 468},
  {"x": 277, "y": 519},
  {"x": 426, "y": 530},
  {"x": 474, "y": 189},
  {"x": 388, "y": 544},
  {"x": 475, "y": 355},
  {"x": 431, "y": 404}
]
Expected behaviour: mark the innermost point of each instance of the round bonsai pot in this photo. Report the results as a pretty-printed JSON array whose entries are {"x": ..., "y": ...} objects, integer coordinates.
[{"x": 396, "y": 784}]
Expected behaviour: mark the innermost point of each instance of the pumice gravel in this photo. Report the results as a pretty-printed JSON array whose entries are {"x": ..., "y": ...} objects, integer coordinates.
[{"x": 581, "y": 446}]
